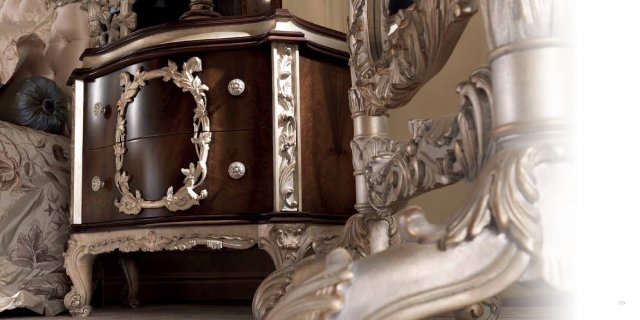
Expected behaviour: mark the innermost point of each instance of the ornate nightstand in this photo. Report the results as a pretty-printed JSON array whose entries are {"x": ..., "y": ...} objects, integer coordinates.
[{"x": 227, "y": 133}]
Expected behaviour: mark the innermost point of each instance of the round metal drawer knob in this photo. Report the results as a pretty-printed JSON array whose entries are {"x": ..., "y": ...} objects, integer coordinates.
[
  {"x": 96, "y": 184},
  {"x": 236, "y": 87},
  {"x": 99, "y": 109},
  {"x": 236, "y": 170}
]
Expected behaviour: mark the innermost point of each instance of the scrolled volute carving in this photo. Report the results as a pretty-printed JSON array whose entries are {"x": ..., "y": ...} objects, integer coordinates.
[
  {"x": 322, "y": 295},
  {"x": 441, "y": 150},
  {"x": 488, "y": 309},
  {"x": 415, "y": 44},
  {"x": 503, "y": 195},
  {"x": 194, "y": 174}
]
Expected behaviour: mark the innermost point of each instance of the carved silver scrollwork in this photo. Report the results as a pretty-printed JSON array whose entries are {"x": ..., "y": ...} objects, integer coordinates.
[
  {"x": 236, "y": 87},
  {"x": 324, "y": 292},
  {"x": 488, "y": 309},
  {"x": 236, "y": 170},
  {"x": 441, "y": 150},
  {"x": 96, "y": 183},
  {"x": 415, "y": 43},
  {"x": 285, "y": 125},
  {"x": 186, "y": 196}
]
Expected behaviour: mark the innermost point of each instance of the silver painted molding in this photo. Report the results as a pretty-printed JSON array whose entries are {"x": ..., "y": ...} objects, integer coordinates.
[
  {"x": 77, "y": 119},
  {"x": 195, "y": 174},
  {"x": 285, "y": 123}
]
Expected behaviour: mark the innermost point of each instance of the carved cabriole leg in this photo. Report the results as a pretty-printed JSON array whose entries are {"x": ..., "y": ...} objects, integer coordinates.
[
  {"x": 79, "y": 262},
  {"x": 83, "y": 247}
]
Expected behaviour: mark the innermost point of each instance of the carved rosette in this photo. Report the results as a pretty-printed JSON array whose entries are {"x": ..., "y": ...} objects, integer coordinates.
[
  {"x": 109, "y": 20},
  {"x": 285, "y": 66},
  {"x": 195, "y": 174}
]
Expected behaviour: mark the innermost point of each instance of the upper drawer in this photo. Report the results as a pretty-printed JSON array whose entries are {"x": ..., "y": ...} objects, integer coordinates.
[{"x": 161, "y": 108}]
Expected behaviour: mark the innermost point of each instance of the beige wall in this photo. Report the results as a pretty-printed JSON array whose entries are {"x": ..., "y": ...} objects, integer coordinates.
[{"x": 436, "y": 98}]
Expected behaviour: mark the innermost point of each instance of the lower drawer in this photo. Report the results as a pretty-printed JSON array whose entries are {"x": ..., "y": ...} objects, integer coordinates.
[{"x": 154, "y": 164}]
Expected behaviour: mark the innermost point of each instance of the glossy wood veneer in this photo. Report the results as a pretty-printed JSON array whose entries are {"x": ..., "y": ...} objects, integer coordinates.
[
  {"x": 154, "y": 164},
  {"x": 162, "y": 108}
]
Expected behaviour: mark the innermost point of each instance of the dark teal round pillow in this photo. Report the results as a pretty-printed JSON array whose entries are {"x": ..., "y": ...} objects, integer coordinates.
[{"x": 35, "y": 102}]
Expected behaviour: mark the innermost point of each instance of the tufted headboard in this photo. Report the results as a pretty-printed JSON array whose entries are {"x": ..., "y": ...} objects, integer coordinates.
[{"x": 59, "y": 36}]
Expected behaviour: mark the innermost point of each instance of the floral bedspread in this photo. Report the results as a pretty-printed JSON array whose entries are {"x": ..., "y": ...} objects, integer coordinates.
[{"x": 34, "y": 219}]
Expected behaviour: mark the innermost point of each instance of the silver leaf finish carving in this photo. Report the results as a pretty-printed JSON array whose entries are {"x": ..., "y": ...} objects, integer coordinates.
[
  {"x": 194, "y": 174},
  {"x": 416, "y": 43},
  {"x": 324, "y": 292},
  {"x": 109, "y": 20},
  {"x": 441, "y": 150},
  {"x": 286, "y": 127}
]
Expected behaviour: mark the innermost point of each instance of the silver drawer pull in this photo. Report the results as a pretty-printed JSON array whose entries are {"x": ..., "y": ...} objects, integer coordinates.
[
  {"x": 236, "y": 170},
  {"x": 96, "y": 184},
  {"x": 236, "y": 87},
  {"x": 99, "y": 109}
]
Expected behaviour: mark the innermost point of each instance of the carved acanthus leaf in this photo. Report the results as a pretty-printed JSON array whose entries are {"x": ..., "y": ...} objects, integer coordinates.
[
  {"x": 109, "y": 20},
  {"x": 194, "y": 174},
  {"x": 503, "y": 195},
  {"x": 286, "y": 128},
  {"x": 355, "y": 236},
  {"x": 441, "y": 150},
  {"x": 415, "y": 44}
]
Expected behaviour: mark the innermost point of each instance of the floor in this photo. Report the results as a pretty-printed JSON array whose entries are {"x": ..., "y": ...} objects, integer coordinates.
[{"x": 201, "y": 312}]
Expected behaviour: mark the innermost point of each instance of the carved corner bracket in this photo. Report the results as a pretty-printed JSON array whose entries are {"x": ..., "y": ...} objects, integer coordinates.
[{"x": 195, "y": 174}]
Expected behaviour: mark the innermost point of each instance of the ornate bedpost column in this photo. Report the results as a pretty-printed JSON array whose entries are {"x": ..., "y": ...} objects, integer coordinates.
[{"x": 531, "y": 109}]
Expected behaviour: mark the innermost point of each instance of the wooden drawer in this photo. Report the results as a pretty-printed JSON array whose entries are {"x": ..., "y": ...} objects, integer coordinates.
[
  {"x": 161, "y": 108},
  {"x": 154, "y": 164}
]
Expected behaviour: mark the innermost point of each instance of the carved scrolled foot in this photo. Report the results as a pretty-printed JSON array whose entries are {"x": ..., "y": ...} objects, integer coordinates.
[
  {"x": 488, "y": 309},
  {"x": 77, "y": 304},
  {"x": 78, "y": 264}
]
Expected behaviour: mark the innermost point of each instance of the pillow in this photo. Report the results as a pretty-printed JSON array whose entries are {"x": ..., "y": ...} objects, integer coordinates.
[{"x": 35, "y": 102}]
